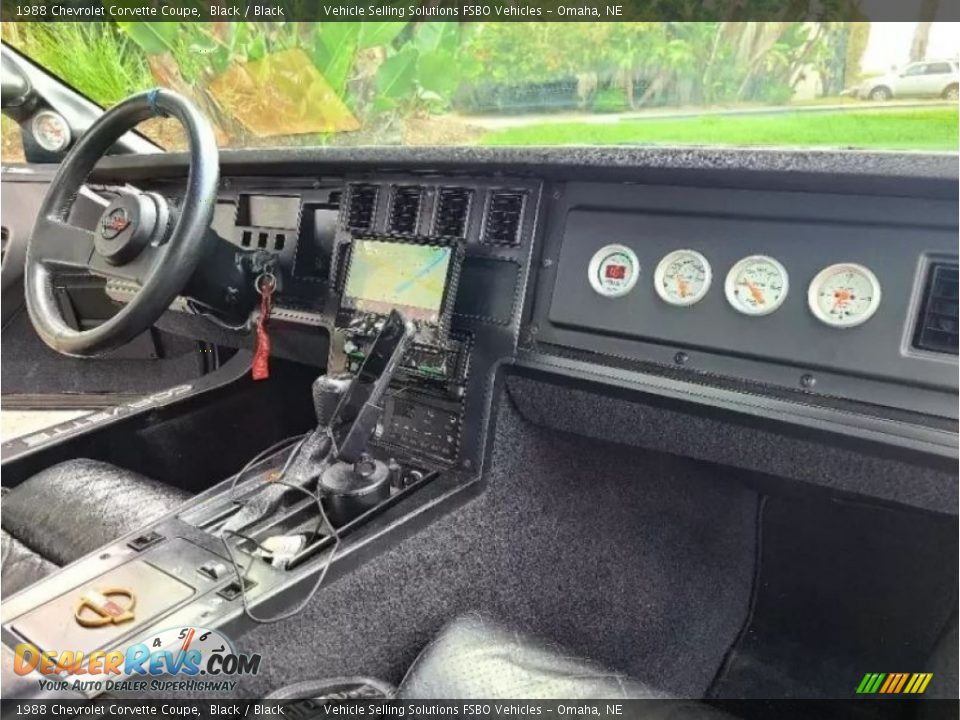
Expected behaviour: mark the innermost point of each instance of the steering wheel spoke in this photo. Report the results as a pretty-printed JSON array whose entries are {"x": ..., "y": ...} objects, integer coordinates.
[
  {"x": 62, "y": 245},
  {"x": 135, "y": 271}
]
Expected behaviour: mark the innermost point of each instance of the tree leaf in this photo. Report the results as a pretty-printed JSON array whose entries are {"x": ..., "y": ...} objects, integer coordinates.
[
  {"x": 154, "y": 38},
  {"x": 396, "y": 75},
  {"x": 334, "y": 52},
  {"x": 437, "y": 36},
  {"x": 375, "y": 34},
  {"x": 437, "y": 72}
]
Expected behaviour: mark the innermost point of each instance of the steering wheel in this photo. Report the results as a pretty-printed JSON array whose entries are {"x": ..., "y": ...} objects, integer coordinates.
[{"x": 139, "y": 238}]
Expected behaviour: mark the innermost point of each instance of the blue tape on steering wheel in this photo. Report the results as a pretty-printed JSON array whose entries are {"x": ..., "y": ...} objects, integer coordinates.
[{"x": 152, "y": 99}]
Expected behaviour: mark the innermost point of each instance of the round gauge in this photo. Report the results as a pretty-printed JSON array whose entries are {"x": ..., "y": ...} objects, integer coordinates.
[
  {"x": 757, "y": 285},
  {"x": 51, "y": 131},
  {"x": 614, "y": 270},
  {"x": 202, "y": 641},
  {"x": 682, "y": 277},
  {"x": 844, "y": 295}
]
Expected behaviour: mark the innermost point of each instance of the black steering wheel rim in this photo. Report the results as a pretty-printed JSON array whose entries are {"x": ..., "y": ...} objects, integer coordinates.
[{"x": 175, "y": 258}]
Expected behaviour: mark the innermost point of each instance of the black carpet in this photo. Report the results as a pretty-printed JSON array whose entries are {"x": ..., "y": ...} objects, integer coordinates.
[
  {"x": 843, "y": 589},
  {"x": 30, "y": 367},
  {"x": 640, "y": 560}
]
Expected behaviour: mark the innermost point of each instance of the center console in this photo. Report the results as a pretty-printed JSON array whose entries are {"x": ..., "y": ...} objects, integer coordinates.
[{"x": 400, "y": 432}]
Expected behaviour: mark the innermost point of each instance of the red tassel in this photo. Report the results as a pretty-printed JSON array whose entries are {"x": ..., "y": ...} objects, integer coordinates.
[{"x": 260, "y": 369}]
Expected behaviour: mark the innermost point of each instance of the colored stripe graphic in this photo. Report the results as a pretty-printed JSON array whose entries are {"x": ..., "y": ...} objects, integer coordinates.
[
  {"x": 903, "y": 679},
  {"x": 894, "y": 683}
]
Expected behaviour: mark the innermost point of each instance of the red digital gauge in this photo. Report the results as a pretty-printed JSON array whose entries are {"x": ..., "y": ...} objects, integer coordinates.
[{"x": 613, "y": 270}]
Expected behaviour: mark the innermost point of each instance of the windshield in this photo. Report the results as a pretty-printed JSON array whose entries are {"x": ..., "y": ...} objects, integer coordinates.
[{"x": 839, "y": 84}]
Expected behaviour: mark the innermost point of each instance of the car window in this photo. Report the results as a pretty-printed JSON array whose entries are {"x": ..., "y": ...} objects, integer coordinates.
[
  {"x": 11, "y": 141},
  {"x": 938, "y": 68},
  {"x": 509, "y": 83}
]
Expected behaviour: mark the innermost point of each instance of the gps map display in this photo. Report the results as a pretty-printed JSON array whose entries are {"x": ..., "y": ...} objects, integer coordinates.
[{"x": 386, "y": 275}]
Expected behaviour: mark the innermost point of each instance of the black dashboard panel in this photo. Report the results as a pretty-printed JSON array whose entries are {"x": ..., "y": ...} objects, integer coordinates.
[
  {"x": 523, "y": 294},
  {"x": 895, "y": 237}
]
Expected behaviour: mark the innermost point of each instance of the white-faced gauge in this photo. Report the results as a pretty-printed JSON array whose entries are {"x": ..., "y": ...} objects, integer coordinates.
[
  {"x": 757, "y": 285},
  {"x": 682, "y": 277},
  {"x": 613, "y": 270},
  {"x": 51, "y": 131},
  {"x": 844, "y": 295}
]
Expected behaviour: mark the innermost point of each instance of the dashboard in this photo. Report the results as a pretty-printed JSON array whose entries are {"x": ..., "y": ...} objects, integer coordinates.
[
  {"x": 452, "y": 253},
  {"x": 815, "y": 288},
  {"x": 808, "y": 285}
]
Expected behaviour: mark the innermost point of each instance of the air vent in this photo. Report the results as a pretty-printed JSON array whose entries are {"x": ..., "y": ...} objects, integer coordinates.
[
  {"x": 405, "y": 210},
  {"x": 937, "y": 325},
  {"x": 363, "y": 205},
  {"x": 453, "y": 206},
  {"x": 502, "y": 223}
]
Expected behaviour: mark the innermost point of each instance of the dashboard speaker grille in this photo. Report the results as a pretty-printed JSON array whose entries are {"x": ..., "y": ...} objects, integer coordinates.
[
  {"x": 453, "y": 207},
  {"x": 405, "y": 210},
  {"x": 937, "y": 327},
  {"x": 363, "y": 204},
  {"x": 501, "y": 226}
]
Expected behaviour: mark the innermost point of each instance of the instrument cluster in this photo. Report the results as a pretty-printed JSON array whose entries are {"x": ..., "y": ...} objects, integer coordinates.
[{"x": 842, "y": 295}]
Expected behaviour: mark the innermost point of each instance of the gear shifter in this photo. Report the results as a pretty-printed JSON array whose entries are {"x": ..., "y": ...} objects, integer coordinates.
[
  {"x": 347, "y": 410},
  {"x": 328, "y": 390},
  {"x": 357, "y": 482}
]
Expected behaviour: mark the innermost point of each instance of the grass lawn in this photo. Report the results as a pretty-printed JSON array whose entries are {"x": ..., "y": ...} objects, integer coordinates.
[{"x": 933, "y": 128}]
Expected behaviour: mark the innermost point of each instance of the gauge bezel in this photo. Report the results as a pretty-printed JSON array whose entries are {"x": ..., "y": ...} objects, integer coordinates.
[
  {"x": 660, "y": 272},
  {"x": 730, "y": 286},
  {"x": 599, "y": 256},
  {"x": 56, "y": 117},
  {"x": 814, "y": 290}
]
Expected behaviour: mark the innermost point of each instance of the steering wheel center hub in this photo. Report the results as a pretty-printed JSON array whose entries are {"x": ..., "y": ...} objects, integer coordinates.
[{"x": 125, "y": 228}]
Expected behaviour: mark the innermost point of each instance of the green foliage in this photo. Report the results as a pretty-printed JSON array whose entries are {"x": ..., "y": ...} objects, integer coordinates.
[
  {"x": 932, "y": 128},
  {"x": 94, "y": 58},
  {"x": 389, "y": 72}
]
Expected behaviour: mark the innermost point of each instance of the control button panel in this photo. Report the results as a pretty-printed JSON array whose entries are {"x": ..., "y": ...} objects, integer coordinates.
[{"x": 425, "y": 425}]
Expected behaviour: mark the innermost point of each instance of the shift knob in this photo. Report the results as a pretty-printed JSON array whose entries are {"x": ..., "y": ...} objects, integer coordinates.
[{"x": 327, "y": 391}]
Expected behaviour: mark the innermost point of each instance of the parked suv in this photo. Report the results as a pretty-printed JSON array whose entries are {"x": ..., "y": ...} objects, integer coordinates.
[{"x": 930, "y": 78}]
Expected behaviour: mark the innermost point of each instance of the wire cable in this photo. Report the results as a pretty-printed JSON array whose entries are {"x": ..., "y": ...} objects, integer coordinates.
[
  {"x": 207, "y": 313},
  {"x": 241, "y": 574}
]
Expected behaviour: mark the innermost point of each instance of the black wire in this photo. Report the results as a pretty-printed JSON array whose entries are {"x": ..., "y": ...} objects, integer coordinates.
[
  {"x": 241, "y": 575},
  {"x": 206, "y": 312},
  {"x": 262, "y": 455}
]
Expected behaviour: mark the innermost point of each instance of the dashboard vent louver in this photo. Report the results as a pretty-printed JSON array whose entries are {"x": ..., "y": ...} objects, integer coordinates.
[
  {"x": 501, "y": 226},
  {"x": 363, "y": 205},
  {"x": 453, "y": 207},
  {"x": 937, "y": 329},
  {"x": 405, "y": 210}
]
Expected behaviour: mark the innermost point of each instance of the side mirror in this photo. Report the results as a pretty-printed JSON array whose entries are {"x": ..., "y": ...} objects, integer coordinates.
[{"x": 15, "y": 87}]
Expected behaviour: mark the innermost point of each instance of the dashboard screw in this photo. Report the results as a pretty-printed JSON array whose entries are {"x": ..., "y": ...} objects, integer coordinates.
[
  {"x": 807, "y": 381},
  {"x": 547, "y": 262},
  {"x": 681, "y": 358}
]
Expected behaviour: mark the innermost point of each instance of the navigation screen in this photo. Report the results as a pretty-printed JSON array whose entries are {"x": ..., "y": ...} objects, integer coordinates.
[{"x": 387, "y": 275}]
